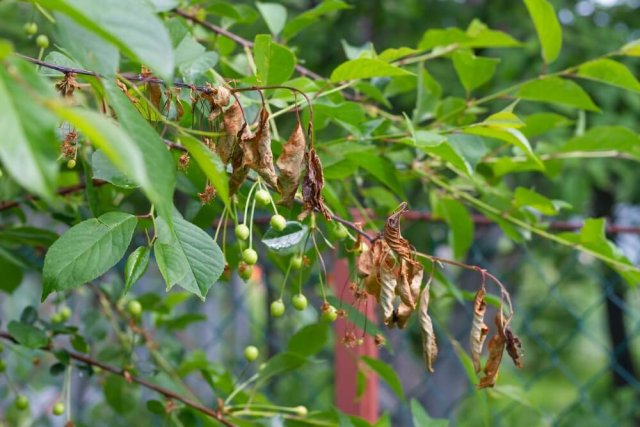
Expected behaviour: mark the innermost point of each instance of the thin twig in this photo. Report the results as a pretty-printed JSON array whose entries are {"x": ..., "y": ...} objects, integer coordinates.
[{"x": 216, "y": 414}]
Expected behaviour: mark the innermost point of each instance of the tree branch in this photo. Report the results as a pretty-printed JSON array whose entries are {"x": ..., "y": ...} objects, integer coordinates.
[{"x": 216, "y": 414}]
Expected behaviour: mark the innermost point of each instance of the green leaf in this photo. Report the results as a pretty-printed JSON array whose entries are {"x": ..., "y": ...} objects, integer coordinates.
[
  {"x": 86, "y": 251},
  {"x": 610, "y": 72},
  {"x": 210, "y": 164},
  {"x": 28, "y": 335},
  {"x": 27, "y": 235},
  {"x": 422, "y": 419},
  {"x": 131, "y": 25},
  {"x": 307, "y": 18},
  {"x": 28, "y": 147},
  {"x": 460, "y": 225},
  {"x": 557, "y": 90},
  {"x": 274, "y": 14},
  {"x": 196, "y": 68},
  {"x": 525, "y": 197},
  {"x": 309, "y": 340},
  {"x": 509, "y": 135},
  {"x": 592, "y": 236},
  {"x": 119, "y": 394},
  {"x": 504, "y": 119},
  {"x": 443, "y": 37},
  {"x": 274, "y": 62},
  {"x": 606, "y": 138},
  {"x": 6, "y": 49},
  {"x": 160, "y": 176},
  {"x": 389, "y": 55},
  {"x": 279, "y": 364},
  {"x": 107, "y": 136},
  {"x": 366, "y": 68},
  {"x": 105, "y": 170},
  {"x": 88, "y": 49},
  {"x": 539, "y": 123},
  {"x": 547, "y": 26},
  {"x": 187, "y": 256},
  {"x": 287, "y": 240},
  {"x": 380, "y": 167},
  {"x": 632, "y": 48},
  {"x": 387, "y": 373},
  {"x": 12, "y": 274},
  {"x": 473, "y": 71},
  {"x": 136, "y": 265},
  {"x": 478, "y": 35}
]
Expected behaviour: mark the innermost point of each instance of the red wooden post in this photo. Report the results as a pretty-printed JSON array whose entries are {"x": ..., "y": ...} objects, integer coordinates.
[{"x": 346, "y": 359}]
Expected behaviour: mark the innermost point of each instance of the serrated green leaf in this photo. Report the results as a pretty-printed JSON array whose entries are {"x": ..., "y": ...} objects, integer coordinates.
[
  {"x": 287, "y": 240},
  {"x": 504, "y": 119},
  {"x": 131, "y": 25},
  {"x": 160, "y": 170},
  {"x": 610, "y": 72},
  {"x": 27, "y": 335},
  {"x": 136, "y": 265},
  {"x": 539, "y": 123},
  {"x": 547, "y": 26},
  {"x": 509, "y": 135},
  {"x": 86, "y": 251},
  {"x": 274, "y": 14},
  {"x": 211, "y": 165},
  {"x": 187, "y": 256},
  {"x": 387, "y": 373},
  {"x": 478, "y": 35},
  {"x": 460, "y": 225},
  {"x": 274, "y": 62},
  {"x": 525, "y": 197},
  {"x": 557, "y": 90},
  {"x": 104, "y": 169},
  {"x": 366, "y": 68},
  {"x": 297, "y": 24},
  {"x": 473, "y": 71},
  {"x": 28, "y": 147}
]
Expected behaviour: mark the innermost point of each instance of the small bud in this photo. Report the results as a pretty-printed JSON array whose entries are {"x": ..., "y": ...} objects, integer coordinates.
[
  {"x": 251, "y": 353},
  {"x": 30, "y": 28},
  {"x": 301, "y": 411},
  {"x": 42, "y": 41},
  {"x": 58, "y": 409}
]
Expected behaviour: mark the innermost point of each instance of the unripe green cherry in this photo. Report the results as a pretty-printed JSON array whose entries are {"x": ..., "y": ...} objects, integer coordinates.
[
  {"x": 277, "y": 308},
  {"x": 278, "y": 222},
  {"x": 245, "y": 271},
  {"x": 242, "y": 232},
  {"x": 71, "y": 163},
  {"x": 22, "y": 402},
  {"x": 341, "y": 232},
  {"x": 3, "y": 366},
  {"x": 65, "y": 312},
  {"x": 301, "y": 411},
  {"x": 329, "y": 313},
  {"x": 296, "y": 262},
  {"x": 250, "y": 256},
  {"x": 251, "y": 353},
  {"x": 42, "y": 41},
  {"x": 30, "y": 28},
  {"x": 58, "y": 408},
  {"x": 263, "y": 197},
  {"x": 57, "y": 318},
  {"x": 134, "y": 308},
  {"x": 299, "y": 302}
]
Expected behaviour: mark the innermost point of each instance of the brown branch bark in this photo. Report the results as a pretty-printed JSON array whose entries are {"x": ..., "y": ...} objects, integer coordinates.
[{"x": 216, "y": 414}]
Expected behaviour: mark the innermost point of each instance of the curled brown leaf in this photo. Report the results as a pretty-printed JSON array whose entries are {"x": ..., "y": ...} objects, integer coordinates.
[
  {"x": 312, "y": 185},
  {"x": 514, "y": 347},
  {"x": 388, "y": 283},
  {"x": 290, "y": 165},
  {"x": 67, "y": 85},
  {"x": 496, "y": 346},
  {"x": 429, "y": 345},
  {"x": 257, "y": 151},
  {"x": 393, "y": 237},
  {"x": 479, "y": 329},
  {"x": 233, "y": 124}
]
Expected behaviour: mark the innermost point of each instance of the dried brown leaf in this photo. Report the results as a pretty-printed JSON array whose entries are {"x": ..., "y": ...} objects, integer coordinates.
[
  {"x": 218, "y": 97},
  {"x": 514, "y": 347},
  {"x": 312, "y": 185},
  {"x": 155, "y": 94},
  {"x": 233, "y": 124},
  {"x": 388, "y": 283},
  {"x": 496, "y": 346},
  {"x": 479, "y": 330},
  {"x": 429, "y": 346},
  {"x": 402, "y": 315},
  {"x": 257, "y": 151},
  {"x": 393, "y": 237},
  {"x": 290, "y": 165}
]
